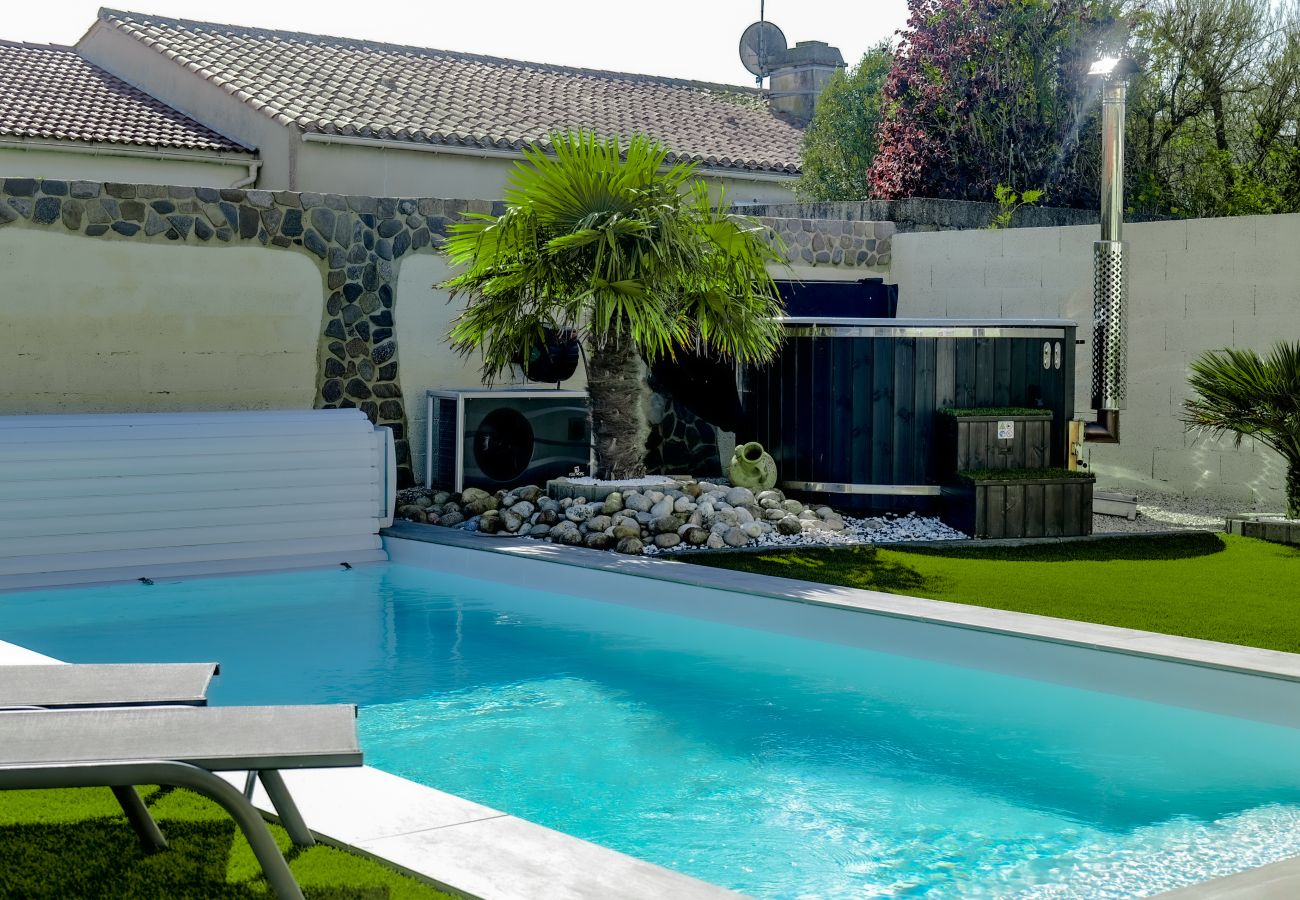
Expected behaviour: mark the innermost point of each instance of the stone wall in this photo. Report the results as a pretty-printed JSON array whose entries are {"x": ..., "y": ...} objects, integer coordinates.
[
  {"x": 835, "y": 242},
  {"x": 680, "y": 442}
]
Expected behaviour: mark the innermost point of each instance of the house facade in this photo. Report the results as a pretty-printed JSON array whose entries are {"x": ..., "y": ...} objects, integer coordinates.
[{"x": 304, "y": 112}]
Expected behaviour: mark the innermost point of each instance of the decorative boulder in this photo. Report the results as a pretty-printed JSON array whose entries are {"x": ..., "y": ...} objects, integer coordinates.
[
  {"x": 735, "y": 537},
  {"x": 789, "y": 525},
  {"x": 739, "y": 496}
]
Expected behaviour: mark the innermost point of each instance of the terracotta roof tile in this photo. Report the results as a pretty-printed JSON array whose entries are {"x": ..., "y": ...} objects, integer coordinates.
[
  {"x": 51, "y": 93},
  {"x": 334, "y": 85}
]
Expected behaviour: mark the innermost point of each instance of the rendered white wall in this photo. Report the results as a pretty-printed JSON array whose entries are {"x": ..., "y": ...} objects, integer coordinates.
[
  {"x": 15, "y": 163},
  {"x": 394, "y": 172},
  {"x": 105, "y": 325},
  {"x": 1194, "y": 285}
]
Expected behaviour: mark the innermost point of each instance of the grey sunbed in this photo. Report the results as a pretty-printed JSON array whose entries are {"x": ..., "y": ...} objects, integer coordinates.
[
  {"x": 56, "y": 686},
  {"x": 183, "y": 746}
]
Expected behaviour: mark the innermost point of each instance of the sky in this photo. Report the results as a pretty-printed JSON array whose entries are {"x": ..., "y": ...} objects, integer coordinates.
[{"x": 695, "y": 39}]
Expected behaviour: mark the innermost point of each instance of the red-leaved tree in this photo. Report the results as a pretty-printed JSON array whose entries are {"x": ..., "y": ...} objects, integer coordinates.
[{"x": 989, "y": 92}]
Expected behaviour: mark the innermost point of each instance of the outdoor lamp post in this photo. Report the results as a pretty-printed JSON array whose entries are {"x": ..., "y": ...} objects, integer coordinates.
[{"x": 1109, "y": 314}]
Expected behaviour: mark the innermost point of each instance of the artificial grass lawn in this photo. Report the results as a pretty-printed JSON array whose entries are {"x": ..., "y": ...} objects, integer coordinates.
[
  {"x": 1201, "y": 585},
  {"x": 76, "y": 843}
]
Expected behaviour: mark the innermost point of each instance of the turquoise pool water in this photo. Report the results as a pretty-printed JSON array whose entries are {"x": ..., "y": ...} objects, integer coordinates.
[{"x": 777, "y": 766}]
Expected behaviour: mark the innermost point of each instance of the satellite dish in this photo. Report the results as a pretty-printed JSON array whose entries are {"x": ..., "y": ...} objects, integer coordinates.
[{"x": 760, "y": 46}]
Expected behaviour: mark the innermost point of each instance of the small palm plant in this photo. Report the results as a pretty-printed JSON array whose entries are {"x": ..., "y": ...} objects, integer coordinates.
[
  {"x": 1241, "y": 392},
  {"x": 632, "y": 254}
]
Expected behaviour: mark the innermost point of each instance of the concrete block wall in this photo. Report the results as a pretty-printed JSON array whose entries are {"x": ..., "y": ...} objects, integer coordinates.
[{"x": 1194, "y": 285}]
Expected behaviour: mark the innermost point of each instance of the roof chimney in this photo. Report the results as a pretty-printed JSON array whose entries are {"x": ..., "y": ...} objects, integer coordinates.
[{"x": 798, "y": 76}]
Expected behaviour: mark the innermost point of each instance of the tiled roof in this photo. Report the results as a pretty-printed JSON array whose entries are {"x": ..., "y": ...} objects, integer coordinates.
[
  {"x": 50, "y": 92},
  {"x": 339, "y": 86}
]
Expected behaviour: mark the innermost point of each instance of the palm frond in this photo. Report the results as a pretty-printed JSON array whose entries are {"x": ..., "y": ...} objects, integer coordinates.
[
  {"x": 613, "y": 240},
  {"x": 1241, "y": 393}
]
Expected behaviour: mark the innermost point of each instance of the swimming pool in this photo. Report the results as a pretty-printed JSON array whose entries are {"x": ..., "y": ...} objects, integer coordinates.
[{"x": 773, "y": 763}]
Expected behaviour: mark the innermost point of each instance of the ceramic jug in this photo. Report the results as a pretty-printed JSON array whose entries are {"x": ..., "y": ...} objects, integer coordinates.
[{"x": 752, "y": 467}]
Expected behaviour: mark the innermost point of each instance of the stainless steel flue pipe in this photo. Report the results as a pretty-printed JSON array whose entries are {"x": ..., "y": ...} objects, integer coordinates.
[{"x": 1109, "y": 292}]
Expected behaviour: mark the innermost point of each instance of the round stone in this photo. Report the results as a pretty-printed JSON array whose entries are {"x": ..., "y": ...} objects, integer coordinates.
[
  {"x": 566, "y": 533},
  {"x": 736, "y": 537},
  {"x": 663, "y": 507},
  {"x": 665, "y": 525},
  {"x": 666, "y": 541},
  {"x": 715, "y": 542},
  {"x": 739, "y": 496},
  {"x": 413, "y": 513},
  {"x": 578, "y": 512},
  {"x": 637, "y": 502},
  {"x": 789, "y": 525},
  {"x": 631, "y": 546}
]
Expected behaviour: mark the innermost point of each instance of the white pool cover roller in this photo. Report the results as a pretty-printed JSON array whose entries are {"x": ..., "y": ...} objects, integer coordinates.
[{"x": 87, "y": 498}]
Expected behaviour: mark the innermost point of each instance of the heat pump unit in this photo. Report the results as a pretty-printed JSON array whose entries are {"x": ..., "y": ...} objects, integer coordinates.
[{"x": 493, "y": 439}]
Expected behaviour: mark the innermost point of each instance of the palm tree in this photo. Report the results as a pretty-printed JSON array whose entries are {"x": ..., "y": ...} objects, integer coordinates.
[
  {"x": 1241, "y": 392},
  {"x": 628, "y": 251}
]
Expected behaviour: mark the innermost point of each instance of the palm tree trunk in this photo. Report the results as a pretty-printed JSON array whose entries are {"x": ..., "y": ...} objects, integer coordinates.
[
  {"x": 616, "y": 388},
  {"x": 1293, "y": 489}
]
